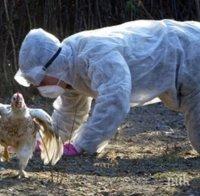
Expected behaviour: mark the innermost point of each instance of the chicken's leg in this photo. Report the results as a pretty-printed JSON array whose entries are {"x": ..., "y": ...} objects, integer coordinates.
[
  {"x": 23, "y": 161},
  {"x": 5, "y": 155},
  {"x": 24, "y": 154}
]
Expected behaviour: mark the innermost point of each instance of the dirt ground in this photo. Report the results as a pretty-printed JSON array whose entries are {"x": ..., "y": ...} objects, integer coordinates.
[{"x": 150, "y": 155}]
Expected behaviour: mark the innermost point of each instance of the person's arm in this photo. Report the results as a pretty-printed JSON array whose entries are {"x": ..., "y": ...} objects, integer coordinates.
[
  {"x": 110, "y": 77},
  {"x": 70, "y": 110}
]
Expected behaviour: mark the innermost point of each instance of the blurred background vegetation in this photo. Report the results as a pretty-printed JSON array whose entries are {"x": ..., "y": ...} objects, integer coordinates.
[{"x": 65, "y": 17}]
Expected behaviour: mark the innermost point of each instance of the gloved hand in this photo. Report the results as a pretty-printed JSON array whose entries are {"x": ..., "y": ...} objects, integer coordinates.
[{"x": 71, "y": 150}]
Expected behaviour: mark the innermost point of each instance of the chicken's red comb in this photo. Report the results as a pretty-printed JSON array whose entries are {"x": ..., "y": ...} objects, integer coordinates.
[{"x": 18, "y": 95}]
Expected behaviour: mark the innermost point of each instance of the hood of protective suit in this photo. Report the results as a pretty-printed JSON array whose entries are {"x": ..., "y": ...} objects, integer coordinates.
[{"x": 36, "y": 50}]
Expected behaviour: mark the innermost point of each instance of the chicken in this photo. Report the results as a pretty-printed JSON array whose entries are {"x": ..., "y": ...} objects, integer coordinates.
[{"x": 18, "y": 128}]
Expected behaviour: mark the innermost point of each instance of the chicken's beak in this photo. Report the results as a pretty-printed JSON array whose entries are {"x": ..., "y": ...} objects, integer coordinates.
[{"x": 18, "y": 104}]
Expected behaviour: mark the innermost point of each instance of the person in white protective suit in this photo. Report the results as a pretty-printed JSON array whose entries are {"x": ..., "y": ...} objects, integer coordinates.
[{"x": 118, "y": 66}]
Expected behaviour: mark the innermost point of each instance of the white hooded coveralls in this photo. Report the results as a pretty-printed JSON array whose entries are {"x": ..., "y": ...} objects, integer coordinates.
[{"x": 120, "y": 65}]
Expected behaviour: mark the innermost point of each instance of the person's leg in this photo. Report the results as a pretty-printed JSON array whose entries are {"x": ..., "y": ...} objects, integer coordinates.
[
  {"x": 191, "y": 109},
  {"x": 189, "y": 104}
]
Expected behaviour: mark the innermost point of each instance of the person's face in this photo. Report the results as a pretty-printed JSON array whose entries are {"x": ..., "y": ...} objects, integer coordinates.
[
  {"x": 50, "y": 81},
  {"x": 52, "y": 87}
]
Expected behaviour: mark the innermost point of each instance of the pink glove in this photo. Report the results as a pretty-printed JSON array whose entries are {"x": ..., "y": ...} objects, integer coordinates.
[{"x": 70, "y": 150}]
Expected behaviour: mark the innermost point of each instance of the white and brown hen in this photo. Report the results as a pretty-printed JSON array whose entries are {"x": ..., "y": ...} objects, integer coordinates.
[{"x": 18, "y": 128}]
